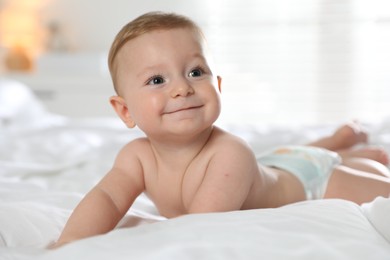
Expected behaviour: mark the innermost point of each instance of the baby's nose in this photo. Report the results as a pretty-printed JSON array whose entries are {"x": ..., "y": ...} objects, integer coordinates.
[{"x": 182, "y": 88}]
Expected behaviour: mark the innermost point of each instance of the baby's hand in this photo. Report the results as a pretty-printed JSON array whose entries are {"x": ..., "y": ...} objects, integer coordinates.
[{"x": 56, "y": 245}]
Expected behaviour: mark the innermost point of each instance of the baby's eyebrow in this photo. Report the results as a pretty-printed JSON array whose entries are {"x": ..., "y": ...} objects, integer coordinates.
[
  {"x": 149, "y": 69},
  {"x": 198, "y": 55},
  {"x": 159, "y": 67},
  {"x": 200, "y": 58}
]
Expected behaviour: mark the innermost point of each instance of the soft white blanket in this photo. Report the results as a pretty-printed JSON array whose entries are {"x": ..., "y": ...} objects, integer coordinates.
[{"x": 46, "y": 168}]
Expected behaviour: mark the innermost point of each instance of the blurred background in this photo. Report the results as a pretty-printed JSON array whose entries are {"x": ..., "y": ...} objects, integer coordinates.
[{"x": 282, "y": 61}]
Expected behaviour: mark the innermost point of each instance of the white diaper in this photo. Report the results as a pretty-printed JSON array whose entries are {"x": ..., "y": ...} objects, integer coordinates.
[{"x": 311, "y": 165}]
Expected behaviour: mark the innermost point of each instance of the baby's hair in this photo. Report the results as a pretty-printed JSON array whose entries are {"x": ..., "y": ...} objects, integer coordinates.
[{"x": 146, "y": 23}]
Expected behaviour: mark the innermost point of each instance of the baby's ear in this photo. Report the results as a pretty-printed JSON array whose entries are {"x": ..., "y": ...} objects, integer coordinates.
[
  {"x": 219, "y": 79},
  {"x": 120, "y": 107}
]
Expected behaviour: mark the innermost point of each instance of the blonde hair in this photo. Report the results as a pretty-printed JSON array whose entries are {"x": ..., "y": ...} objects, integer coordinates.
[{"x": 146, "y": 23}]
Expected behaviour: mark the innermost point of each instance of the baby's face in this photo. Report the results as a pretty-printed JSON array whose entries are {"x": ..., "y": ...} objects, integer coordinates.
[{"x": 167, "y": 84}]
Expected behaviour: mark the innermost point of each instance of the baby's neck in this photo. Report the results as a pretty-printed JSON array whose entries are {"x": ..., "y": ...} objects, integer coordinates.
[{"x": 179, "y": 148}]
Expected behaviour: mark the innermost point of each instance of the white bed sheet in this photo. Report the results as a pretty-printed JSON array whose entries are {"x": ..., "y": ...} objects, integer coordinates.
[{"x": 46, "y": 167}]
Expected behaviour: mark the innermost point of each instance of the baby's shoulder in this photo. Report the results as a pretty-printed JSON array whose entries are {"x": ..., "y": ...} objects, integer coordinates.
[
  {"x": 136, "y": 146},
  {"x": 227, "y": 141},
  {"x": 221, "y": 135}
]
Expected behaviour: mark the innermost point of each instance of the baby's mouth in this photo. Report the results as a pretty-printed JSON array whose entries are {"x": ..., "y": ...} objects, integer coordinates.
[{"x": 182, "y": 109}]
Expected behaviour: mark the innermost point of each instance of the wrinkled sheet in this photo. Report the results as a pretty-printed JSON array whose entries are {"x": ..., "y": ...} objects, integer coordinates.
[{"x": 46, "y": 170}]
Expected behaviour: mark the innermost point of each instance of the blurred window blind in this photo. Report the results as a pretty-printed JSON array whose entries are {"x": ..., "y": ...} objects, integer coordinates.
[{"x": 302, "y": 61}]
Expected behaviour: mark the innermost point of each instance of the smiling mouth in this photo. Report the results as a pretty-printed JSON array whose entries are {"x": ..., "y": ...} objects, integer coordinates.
[{"x": 183, "y": 109}]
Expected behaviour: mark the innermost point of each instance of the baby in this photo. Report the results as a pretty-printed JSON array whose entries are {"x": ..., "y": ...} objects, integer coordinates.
[{"x": 165, "y": 85}]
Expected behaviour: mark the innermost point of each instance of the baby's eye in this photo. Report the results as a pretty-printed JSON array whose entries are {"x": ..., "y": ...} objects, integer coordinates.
[
  {"x": 155, "y": 80},
  {"x": 196, "y": 72}
]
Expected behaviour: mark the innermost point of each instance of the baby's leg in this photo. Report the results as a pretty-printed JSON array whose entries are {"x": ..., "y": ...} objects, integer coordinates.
[
  {"x": 344, "y": 137},
  {"x": 347, "y": 136},
  {"x": 366, "y": 165},
  {"x": 370, "y": 152},
  {"x": 357, "y": 186}
]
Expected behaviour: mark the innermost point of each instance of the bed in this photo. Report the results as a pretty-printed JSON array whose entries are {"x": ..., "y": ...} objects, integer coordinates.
[{"x": 48, "y": 162}]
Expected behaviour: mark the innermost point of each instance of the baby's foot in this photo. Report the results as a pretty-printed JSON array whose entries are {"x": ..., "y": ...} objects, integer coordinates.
[
  {"x": 347, "y": 136},
  {"x": 370, "y": 152}
]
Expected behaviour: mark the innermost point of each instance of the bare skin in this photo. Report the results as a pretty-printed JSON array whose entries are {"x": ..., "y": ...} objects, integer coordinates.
[
  {"x": 200, "y": 182},
  {"x": 186, "y": 164},
  {"x": 362, "y": 168},
  {"x": 178, "y": 189},
  {"x": 369, "y": 159},
  {"x": 346, "y": 137}
]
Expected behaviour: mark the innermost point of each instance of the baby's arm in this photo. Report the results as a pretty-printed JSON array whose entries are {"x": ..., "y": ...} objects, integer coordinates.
[
  {"x": 104, "y": 206},
  {"x": 228, "y": 180}
]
